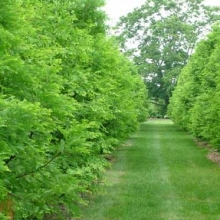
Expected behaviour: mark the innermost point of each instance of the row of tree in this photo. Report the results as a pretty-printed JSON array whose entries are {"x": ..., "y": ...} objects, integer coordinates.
[
  {"x": 195, "y": 104},
  {"x": 67, "y": 98}
]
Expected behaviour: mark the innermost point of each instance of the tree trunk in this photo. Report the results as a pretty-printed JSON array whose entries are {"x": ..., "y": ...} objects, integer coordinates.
[{"x": 6, "y": 207}]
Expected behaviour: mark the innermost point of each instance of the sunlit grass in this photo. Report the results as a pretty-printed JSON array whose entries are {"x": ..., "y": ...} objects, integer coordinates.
[{"x": 163, "y": 175}]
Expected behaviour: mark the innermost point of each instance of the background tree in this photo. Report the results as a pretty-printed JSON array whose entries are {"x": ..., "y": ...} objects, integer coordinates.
[{"x": 160, "y": 36}]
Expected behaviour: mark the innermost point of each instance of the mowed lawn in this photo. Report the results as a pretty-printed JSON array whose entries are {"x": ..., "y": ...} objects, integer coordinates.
[{"x": 160, "y": 174}]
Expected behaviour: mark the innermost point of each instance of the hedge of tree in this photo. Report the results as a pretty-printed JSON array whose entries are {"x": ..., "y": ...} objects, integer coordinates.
[
  {"x": 195, "y": 104},
  {"x": 67, "y": 98}
]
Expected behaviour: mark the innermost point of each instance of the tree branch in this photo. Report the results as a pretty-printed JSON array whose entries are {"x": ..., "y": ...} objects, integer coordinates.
[{"x": 39, "y": 168}]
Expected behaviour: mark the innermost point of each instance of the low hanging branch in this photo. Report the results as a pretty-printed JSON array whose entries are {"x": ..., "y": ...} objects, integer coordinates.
[{"x": 39, "y": 168}]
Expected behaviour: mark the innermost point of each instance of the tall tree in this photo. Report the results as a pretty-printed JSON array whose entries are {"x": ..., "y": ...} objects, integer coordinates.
[{"x": 160, "y": 36}]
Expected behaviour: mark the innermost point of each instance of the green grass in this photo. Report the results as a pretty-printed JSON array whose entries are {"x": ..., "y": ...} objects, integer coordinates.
[{"x": 161, "y": 175}]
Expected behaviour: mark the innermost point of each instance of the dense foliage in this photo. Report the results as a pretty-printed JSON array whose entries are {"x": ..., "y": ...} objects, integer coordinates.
[
  {"x": 195, "y": 104},
  {"x": 67, "y": 98},
  {"x": 160, "y": 36}
]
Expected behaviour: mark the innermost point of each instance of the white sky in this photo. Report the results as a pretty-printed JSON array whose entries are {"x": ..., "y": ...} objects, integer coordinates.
[{"x": 118, "y": 8}]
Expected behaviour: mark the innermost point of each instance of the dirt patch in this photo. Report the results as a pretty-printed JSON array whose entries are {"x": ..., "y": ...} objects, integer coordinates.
[
  {"x": 214, "y": 156},
  {"x": 202, "y": 144}
]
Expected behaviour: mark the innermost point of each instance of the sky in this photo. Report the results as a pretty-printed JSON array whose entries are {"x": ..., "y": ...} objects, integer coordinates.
[{"x": 118, "y": 8}]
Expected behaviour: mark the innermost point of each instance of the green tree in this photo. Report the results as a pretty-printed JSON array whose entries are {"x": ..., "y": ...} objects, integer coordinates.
[{"x": 160, "y": 36}]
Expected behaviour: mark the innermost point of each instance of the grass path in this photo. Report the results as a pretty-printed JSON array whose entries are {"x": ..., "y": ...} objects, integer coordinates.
[{"x": 160, "y": 175}]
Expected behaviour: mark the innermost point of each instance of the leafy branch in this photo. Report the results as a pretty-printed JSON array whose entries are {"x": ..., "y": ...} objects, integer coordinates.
[{"x": 39, "y": 168}]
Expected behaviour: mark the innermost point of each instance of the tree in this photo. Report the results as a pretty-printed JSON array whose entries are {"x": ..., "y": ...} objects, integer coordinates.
[{"x": 160, "y": 36}]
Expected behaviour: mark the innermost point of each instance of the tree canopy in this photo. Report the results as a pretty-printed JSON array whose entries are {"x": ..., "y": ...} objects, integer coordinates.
[{"x": 160, "y": 36}]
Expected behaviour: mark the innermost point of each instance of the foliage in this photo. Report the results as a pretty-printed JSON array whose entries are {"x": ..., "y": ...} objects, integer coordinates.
[
  {"x": 195, "y": 103},
  {"x": 67, "y": 98},
  {"x": 160, "y": 36}
]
